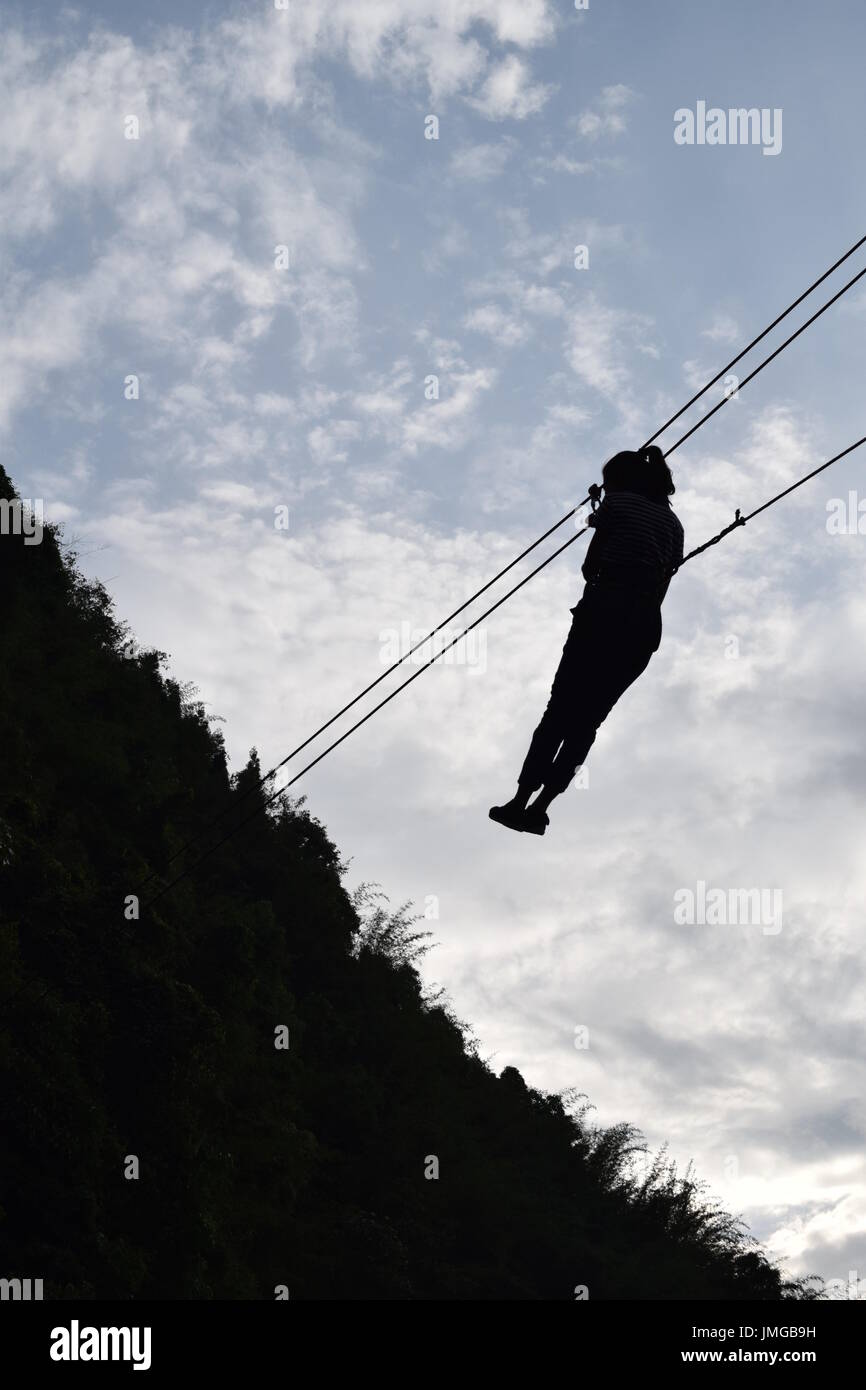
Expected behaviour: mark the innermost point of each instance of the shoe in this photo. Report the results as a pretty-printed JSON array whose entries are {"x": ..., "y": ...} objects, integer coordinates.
[
  {"x": 535, "y": 822},
  {"x": 508, "y": 815}
]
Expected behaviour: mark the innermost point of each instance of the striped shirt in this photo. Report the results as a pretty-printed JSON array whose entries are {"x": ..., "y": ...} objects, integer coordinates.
[{"x": 636, "y": 541}]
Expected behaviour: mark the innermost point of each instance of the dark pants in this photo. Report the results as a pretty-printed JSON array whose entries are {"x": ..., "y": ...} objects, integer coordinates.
[{"x": 612, "y": 637}]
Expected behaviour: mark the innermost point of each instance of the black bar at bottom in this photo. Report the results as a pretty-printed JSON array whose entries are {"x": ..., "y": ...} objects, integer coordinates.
[{"x": 162, "y": 1339}]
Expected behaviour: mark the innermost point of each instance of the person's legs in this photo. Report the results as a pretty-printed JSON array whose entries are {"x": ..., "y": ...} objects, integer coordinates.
[
  {"x": 548, "y": 736},
  {"x": 554, "y": 723},
  {"x": 541, "y": 804},
  {"x": 625, "y": 634},
  {"x": 539, "y": 760},
  {"x": 610, "y": 644},
  {"x": 604, "y": 683},
  {"x": 572, "y": 753}
]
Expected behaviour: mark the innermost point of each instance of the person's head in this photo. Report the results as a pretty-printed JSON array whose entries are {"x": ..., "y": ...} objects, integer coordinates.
[{"x": 645, "y": 472}]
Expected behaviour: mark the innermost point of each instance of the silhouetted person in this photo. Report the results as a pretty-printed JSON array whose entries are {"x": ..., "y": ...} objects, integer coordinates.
[{"x": 637, "y": 543}]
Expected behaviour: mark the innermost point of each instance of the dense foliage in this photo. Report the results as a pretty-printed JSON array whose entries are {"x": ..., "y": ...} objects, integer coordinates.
[{"x": 259, "y": 1166}]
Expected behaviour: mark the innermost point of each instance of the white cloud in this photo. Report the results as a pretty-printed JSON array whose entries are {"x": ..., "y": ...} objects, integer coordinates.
[
  {"x": 609, "y": 119},
  {"x": 546, "y": 251},
  {"x": 402, "y": 41},
  {"x": 600, "y": 346},
  {"x": 327, "y": 443},
  {"x": 723, "y": 329},
  {"x": 62, "y": 138},
  {"x": 562, "y": 164},
  {"x": 446, "y": 423},
  {"x": 62, "y": 135},
  {"x": 561, "y": 423},
  {"x": 510, "y": 92},
  {"x": 480, "y": 163},
  {"x": 493, "y": 321},
  {"x": 237, "y": 495}
]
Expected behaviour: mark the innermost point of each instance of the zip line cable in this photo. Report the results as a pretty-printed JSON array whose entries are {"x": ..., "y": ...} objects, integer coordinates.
[
  {"x": 767, "y": 360},
  {"x": 714, "y": 540},
  {"x": 740, "y": 521},
  {"x": 754, "y": 343},
  {"x": 555, "y": 527}
]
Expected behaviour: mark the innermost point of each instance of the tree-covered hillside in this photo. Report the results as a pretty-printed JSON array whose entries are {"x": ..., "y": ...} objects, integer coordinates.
[{"x": 309, "y": 1166}]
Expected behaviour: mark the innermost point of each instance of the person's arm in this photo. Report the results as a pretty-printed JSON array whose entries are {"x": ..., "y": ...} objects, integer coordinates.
[
  {"x": 601, "y": 518},
  {"x": 592, "y": 558},
  {"x": 678, "y": 549},
  {"x": 598, "y": 521}
]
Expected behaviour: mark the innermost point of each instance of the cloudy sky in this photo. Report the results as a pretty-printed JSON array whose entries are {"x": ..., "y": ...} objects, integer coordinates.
[{"x": 155, "y": 159}]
